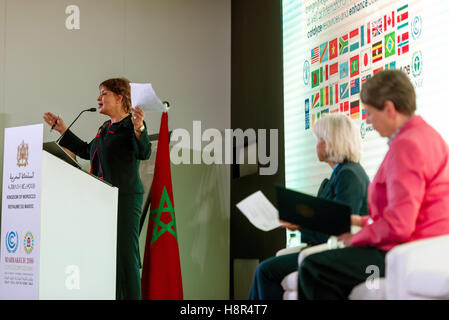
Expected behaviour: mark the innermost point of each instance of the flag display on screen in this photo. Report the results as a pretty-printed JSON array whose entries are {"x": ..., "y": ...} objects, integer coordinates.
[
  {"x": 344, "y": 70},
  {"x": 355, "y": 86},
  {"x": 333, "y": 49},
  {"x": 315, "y": 78},
  {"x": 377, "y": 51},
  {"x": 324, "y": 96},
  {"x": 365, "y": 35},
  {"x": 376, "y": 28},
  {"x": 402, "y": 17},
  {"x": 365, "y": 60},
  {"x": 315, "y": 55},
  {"x": 343, "y": 44},
  {"x": 389, "y": 21},
  {"x": 315, "y": 100},
  {"x": 390, "y": 45},
  {"x": 354, "y": 65},
  {"x": 355, "y": 110},
  {"x": 372, "y": 45},
  {"x": 324, "y": 52},
  {"x": 344, "y": 90},
  {"x": 403, "y": 43},
  {"x": 354, "y": 38}
]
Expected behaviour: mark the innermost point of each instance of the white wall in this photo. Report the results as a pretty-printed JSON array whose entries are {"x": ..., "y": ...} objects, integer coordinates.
[{"x": 181, "y": 46}]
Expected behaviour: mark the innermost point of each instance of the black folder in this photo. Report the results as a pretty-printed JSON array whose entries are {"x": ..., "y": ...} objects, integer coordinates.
[{"x": 316, "y": 214}]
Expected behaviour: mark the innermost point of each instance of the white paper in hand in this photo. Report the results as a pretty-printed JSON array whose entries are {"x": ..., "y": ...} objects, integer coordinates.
[
  {"x": 259, "y": 211},
  {"x": 143, "y": 95}
]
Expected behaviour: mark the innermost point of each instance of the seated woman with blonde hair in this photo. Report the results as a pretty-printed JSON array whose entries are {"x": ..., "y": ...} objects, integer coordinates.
[{"x": 338, "y": 144}]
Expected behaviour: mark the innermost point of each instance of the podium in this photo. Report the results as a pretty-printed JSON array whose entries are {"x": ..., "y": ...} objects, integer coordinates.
[{"x": 75, "y": 245}]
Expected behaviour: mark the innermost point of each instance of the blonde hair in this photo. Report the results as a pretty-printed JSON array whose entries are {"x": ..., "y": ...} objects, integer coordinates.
[{"x": 341, "y": 136}]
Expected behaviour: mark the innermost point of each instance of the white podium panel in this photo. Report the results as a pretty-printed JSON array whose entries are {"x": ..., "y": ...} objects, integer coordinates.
[{"x": 78, "y": 235}]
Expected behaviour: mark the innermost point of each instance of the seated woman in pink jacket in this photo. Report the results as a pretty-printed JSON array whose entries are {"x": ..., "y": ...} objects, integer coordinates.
[{"x": 408, "y": 198}]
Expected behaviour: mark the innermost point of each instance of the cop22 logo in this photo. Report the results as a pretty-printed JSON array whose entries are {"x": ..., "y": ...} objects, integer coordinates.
[{"x": 12, "y": 241}]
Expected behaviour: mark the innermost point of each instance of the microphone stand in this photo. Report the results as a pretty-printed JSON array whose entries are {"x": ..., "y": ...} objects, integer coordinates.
[{"x": 90, "y": 109}]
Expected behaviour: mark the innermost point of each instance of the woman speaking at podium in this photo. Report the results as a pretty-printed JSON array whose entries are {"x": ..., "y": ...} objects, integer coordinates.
[{"x": 115, "y": 154}]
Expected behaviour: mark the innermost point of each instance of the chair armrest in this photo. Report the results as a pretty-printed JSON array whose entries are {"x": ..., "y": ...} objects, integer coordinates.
[
  {"x": 291, "y": 250},
  {"x": 418, "y": 269}
]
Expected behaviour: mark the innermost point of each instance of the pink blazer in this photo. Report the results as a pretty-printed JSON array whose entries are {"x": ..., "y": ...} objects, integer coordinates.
[{"x": 409, "y": 196}]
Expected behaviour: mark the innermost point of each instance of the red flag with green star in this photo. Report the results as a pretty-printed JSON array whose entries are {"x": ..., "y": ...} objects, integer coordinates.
[{"x": 161, "y": 272}]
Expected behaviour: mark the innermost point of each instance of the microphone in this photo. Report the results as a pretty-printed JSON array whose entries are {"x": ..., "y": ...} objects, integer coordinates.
[{"x": 90, "y": 110}]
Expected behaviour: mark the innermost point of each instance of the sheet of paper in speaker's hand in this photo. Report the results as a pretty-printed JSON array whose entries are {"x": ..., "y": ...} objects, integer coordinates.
[
  {"x": 143, "y": 95},
  {"x": 260, "y": 211}
]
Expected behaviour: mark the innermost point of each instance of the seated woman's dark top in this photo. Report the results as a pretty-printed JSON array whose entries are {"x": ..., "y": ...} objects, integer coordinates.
[{"x": 348, "y": 184}]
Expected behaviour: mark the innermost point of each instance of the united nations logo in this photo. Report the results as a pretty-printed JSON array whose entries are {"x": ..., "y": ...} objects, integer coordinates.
[
  {"x": 416, "y": 27},
  {"x": 306, "y": 72},
  {"x": 22, "y": 154},
  {"x": 12, "y": 241},
  {"x": 28, "y": 242},
  {"x": 417, "y": 64}
]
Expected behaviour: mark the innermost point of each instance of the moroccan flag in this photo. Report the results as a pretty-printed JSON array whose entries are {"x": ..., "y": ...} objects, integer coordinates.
[{"x": 161, "y": 272}]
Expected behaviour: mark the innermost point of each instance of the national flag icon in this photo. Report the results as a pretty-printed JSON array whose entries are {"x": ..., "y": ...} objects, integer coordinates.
[
  {"x": 324, "y": 96},
  {"x": 402, "y": 17},
  {"x": 355, "y": 86},
  {"x": 315, "y": 100},
  {"x": 315, "y": 78},
  {"x": 307, "y": 113},
  {"x": 377, "y": 70},
  {"x": 333, "y": 94},
  {"x": 389, "y": 21},
  {"x": 390, "y": 45},
  {"x": 376, "y": 27},
  {"x": 343, "y": 44},
  {"x": 344, "y": 107},
  {"x": 333, "y": 70},
  {"x": 391, "y": 65},
  {"x": 403, "y": 41},
  {"x": 315, "y": 55},
  {"x": 313, "y": 120},
  {"x": 354, "y": 38},
  {"x": 334, "y": 110},
  {"x": 365, "y": 60},
  {"x": 354, "y": 65},
  {"x": 377, "y": 51},
  {"x": 365, "y": 34},
  {"x": 324, "y": 73},
  {"x": 363, "y": 111},
  {"x": 333, "y": 49},
  {"x": 355, "y": 110},
  {"x": 344, "y": 70},
  {"x": 324, "y": 52},
  {"x": 364, "y": 78},
  {"x": 344, "y": 91}
]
